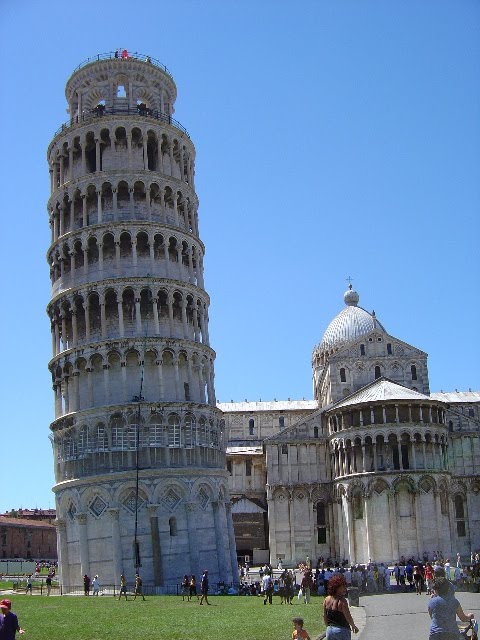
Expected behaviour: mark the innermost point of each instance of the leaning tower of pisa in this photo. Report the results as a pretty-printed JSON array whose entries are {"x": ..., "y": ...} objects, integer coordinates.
[{"x": 137, "y": 438}]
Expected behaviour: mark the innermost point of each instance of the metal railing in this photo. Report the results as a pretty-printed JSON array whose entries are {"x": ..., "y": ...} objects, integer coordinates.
[
  {"x": 138, "y": 110},
  {"x": 113, "y": 55}
]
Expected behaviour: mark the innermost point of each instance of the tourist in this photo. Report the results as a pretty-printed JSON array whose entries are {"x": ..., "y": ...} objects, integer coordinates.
[
  {"x": 48, "y": 582},
  {"x": 193, "y": 587},
  {"x": 443, "y": 609},
  {"x": 428, "y": 573},
  {"x": 123, "y": 587},
  {"x": 336, "y": 613},
  {"x": 417, "y": 578},
  {"x": 29, "y": 586},
  {"x": 138, "y": 587},
  {"x": 299, "y": 632},
  {"x": 86, "y": 585},
  {"x": 95, "y": 586},
  {"x": 9, "y": 626},
  {"x": 268, "y": 589},
  {"x": 204, "y": 587},
  {"x": 185, "y": 588},
  {"x": 306, "y": 586}
]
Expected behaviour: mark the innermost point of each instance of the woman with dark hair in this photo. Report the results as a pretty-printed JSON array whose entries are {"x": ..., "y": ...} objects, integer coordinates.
[
  {"x": 443, "y": 609},
  {"x": 336, "y": 614}
]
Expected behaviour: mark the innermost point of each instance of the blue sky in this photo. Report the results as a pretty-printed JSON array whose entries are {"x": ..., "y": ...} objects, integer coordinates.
[{"x": 334, "y": 139}]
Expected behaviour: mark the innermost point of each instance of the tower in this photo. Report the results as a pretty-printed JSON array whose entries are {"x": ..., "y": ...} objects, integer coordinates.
[{"x": 137, "y": 438}]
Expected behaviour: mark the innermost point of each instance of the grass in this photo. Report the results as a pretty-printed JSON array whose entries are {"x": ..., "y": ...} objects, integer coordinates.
[{"x": 162, "y": 617}]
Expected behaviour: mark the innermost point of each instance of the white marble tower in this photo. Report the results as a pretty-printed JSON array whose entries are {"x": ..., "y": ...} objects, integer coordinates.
[{"x": 132, "y": 367}]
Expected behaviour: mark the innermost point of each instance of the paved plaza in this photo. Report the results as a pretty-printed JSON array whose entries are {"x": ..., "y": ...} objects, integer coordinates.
[{"x": 402, "y": 616}]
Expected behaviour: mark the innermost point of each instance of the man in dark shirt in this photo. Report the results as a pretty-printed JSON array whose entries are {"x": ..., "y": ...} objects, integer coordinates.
[{"x": 204, "y": 587}]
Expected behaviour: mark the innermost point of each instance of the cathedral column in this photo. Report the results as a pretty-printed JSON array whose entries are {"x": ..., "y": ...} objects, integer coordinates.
[
  {"x": 392, "y": 510},
  {"x": 424, "y": 453},
  {"x": 193, "y": 540},
  {"x": 81, "y": 519},
  {"x": 368, "y": 521},
  {"x": 414, "y": 459},
  {"x": 332, "y": 530},
  {"x": 418, "y": 521},
  {"x": 438, "y": 519},
  {"x": 221, "y": 560},
  {"x": 363, "y": 458},
  {"x": 116, "y": 545},
  {"x": 341, "y": 539}
]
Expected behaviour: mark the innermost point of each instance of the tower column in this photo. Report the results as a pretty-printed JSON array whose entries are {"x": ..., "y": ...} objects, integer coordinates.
[{"x": 81, "y": 519}]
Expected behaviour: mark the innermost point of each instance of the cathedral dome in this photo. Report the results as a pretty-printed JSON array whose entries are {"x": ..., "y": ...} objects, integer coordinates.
[{"x": 351, "y": 323}]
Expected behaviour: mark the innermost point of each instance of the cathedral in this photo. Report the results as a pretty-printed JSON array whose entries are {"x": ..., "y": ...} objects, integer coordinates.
[{"x": 375, "y": 467}]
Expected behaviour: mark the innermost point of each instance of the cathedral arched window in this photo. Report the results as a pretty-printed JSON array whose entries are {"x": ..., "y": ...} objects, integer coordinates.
[
  {"x": 251, "y": 426},
  {"x": 362, "y": 349},
  {"x": 315, "y": 432},
  {"x": 389, "y": 348},
  {"x": 378, "y": 372},
  {"x": 413, "y": 370},
  {"x": 172, "y": 523},
  {"x": 248, "y": 467},
  {"x": 343, "y": 377},
  {"x": 450, "y": 425}
]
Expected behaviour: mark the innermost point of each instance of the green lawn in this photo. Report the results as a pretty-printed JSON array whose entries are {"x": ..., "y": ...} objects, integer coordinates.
[{"x": 162, "y": 617}]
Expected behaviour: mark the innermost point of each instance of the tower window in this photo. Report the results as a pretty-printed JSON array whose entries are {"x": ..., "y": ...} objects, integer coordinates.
[
  {"x": 343, "y": 377},
  {"x": 186, "y": 388},
  {"x": 315, "y": 432},
  {"x": 251, "y": 426},
  {"x": 248, "y": 467},
  {"x": 378, "y": 372},
  {"x": 172, "y": 523},
  {"x": 389, "y": 348},
  {"x": 413, "y": 369},
  {"x": 281, "y": 422},
  {"x": 362, "y": 349}
]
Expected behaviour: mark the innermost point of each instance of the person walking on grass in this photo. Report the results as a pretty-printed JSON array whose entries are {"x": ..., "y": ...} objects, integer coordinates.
[
  {"x": 204, "y": 587},
  {"x": 185, "y": 588},
  {"x": 123, "y": 587},
  {"x": 95, "y": 586},
  {"x": 138, "y": 587}
]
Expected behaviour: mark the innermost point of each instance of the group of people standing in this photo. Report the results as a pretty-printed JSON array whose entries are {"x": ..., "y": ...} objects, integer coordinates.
[{"x": 189, "y": 588}]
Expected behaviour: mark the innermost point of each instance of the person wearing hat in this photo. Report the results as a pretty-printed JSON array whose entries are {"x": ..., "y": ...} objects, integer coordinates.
[{"x": 9, "y": 624}]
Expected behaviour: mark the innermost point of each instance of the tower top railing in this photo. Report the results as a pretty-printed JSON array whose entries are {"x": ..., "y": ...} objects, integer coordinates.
[
  {"x": 138, "y": 110},
  {"x": 123, "y": 54}
]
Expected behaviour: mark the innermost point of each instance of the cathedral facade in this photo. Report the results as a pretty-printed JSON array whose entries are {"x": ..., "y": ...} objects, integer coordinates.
[{"x": 375, "y": 467}]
